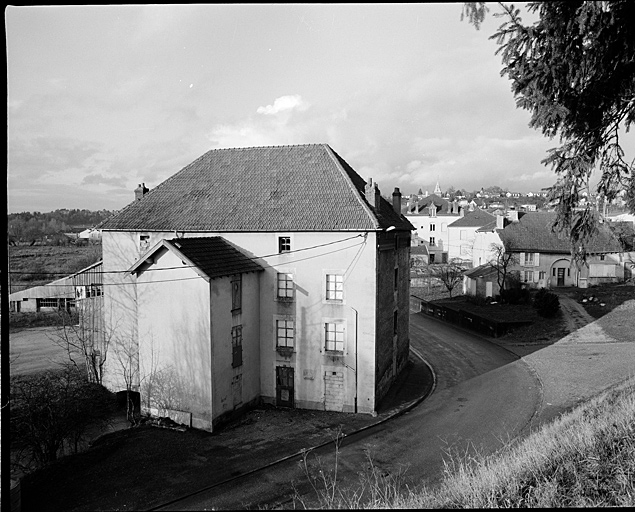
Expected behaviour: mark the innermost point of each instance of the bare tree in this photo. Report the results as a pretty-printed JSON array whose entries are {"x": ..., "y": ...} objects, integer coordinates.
[
  {"x": 450, "y": 274},
  {"x": 86, "y": 343},
  {"x": 126, "y": 353},
  {"x": 503, "y": 262}
]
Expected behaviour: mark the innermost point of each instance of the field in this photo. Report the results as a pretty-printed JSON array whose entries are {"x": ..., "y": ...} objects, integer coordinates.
[{"x": 36, "y": 265}]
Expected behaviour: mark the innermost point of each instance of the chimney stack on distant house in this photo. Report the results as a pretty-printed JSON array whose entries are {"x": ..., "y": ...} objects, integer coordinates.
[
  {"x": 396, "y": 200},
  {"x": 372, "y": 193},
  {"x": 500, "y": 222},
  {"x": 512, "y": 215},
  {"x": 140, "y": 191}
]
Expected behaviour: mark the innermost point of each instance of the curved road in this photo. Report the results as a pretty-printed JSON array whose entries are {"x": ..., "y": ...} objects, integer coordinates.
[{"x": 484, "y": 397}]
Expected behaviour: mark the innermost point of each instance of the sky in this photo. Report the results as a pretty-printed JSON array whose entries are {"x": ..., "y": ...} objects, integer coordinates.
[{"x": 102, "y": 98}]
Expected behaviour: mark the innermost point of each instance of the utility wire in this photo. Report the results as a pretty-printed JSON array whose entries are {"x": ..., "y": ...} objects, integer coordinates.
[
  {"x": 191, "y": 266},
  {"x": 285, "y": 263}
]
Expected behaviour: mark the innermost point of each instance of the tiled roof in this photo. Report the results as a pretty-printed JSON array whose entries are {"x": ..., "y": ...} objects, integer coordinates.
[
  {"x": 485, "y": 270},
  {"x": 419, "y": 249},
  {"x": 532, "y": 233},
  {"x": 213, "y": 256},
  {"x": 443, "y": 205},
  {"x": 474, "y": 219},
  {"x": 276, "y": 188}
]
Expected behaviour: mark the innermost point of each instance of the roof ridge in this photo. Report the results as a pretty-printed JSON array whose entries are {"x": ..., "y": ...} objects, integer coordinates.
[{"x": 371, "y": 214}]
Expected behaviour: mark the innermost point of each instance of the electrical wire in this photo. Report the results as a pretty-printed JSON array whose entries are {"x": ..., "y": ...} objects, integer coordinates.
[
  {"x": 285, "y": 263},
  {"x": 192, "y": 266}
]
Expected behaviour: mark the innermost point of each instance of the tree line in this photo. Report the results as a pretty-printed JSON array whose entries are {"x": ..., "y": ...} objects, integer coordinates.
[{"x": 27, "y": 227}]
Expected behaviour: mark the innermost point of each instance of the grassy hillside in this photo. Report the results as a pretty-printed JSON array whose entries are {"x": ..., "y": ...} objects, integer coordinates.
[
  {"x": 585, "y": 458},
  {"x": 40, "y": 264}
]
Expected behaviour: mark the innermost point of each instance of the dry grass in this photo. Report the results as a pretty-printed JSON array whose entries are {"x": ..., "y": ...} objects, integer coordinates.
[
  {"x": 586, "y": 458},
  {"x": 40, "y": 264}
]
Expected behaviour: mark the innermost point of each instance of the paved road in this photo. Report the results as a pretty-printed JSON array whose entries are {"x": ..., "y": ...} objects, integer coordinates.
[
  {"x": 484, "y": 396},
  {"x": 33, "y": 350}
]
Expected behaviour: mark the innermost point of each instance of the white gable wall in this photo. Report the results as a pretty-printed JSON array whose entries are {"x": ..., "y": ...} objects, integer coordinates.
[{"x": 354, "y": 258}]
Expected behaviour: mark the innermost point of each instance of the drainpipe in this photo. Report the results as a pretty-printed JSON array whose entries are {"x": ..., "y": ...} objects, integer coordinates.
[{"x": 356, "y": 316}]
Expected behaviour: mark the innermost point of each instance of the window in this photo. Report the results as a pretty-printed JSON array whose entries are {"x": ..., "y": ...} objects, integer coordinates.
[
  {"x": 334, "y": 336},
  {"x": 431, "y": 257},
  {"x": 432, "y": 240},
  {"x": 529, "y": 259},
  {"x": 285, "y": 286},
  {"x": 237, "y": 346},
  {"x": 529, "y": 276},
  {"x": 284, "y": 244},
  {"x": 334, "y": 287},
  {"x": 47, "y": 303},
  {"x": 236, "y": 292},
  {"x": 432, "y": 227},
  {"x": 284, "y": 333},
  {"x": 93, "y": 290},
  {"x": 602, "y": 257},
  {"x": 542, "y": 275},
  {"x": 144, "y": 243}
]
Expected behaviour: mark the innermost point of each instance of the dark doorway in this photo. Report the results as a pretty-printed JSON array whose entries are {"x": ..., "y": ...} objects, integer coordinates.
[
  {"x": 560, "y": 277},
  {"x": 284, "y": 386}
]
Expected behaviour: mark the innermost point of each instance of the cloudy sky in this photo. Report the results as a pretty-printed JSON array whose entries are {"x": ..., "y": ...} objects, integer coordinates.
[{"x": 101, "y": 98}]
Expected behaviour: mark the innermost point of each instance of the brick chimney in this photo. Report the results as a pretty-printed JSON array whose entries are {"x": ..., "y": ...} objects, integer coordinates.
[
  {"x": 372, "y": 193},
  {"x": 140, "y": 191},
  {"x": 396, "y": 201}
]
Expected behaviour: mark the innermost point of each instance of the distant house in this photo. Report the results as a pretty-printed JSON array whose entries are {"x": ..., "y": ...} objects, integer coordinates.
[
  {"x": 462, "y": 232},
  {"x": 272, "y": 274},
  {"x": 90, "y": 234},
  {"x": 431, "y": 215},
  {"x": 544, "y": 257}
]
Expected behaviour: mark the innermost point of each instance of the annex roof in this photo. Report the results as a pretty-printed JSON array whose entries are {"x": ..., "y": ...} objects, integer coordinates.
[
  {"x": 212, "y": 257},
  {"x": 275, "y": 188},
  {"x": 484, "y": 271},
  {"x": 532, "y": 233},
  {"x": 474, "y": 219}
]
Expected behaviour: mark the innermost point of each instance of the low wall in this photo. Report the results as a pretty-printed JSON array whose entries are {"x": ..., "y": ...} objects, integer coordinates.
[{"x": 469, "y": 320}]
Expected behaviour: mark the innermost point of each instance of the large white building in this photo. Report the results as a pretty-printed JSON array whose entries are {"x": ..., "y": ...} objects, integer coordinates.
[{"x": 269, "y": 273}]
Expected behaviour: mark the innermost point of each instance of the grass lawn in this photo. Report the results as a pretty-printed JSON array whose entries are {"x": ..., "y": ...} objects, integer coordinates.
[{"x": 599, "y": 300}]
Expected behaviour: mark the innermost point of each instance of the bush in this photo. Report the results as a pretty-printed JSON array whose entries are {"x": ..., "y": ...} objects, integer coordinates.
[
  {"x": 515, "y": 295},
  {"x": 546, "y": 303},
  {"x": 28, "y": 319},
  {"x": 52, "y": 410}
]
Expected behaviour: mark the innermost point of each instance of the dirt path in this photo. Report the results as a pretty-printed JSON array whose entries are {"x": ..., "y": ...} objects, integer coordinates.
[{"x": 575, "y": 314}]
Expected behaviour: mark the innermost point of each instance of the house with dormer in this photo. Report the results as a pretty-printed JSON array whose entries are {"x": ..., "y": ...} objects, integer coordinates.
[
  {"x": 430, "y": 216},
  {"x": 265, "y": 274}
]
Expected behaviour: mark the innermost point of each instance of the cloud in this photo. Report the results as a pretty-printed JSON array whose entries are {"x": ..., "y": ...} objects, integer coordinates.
[
  {"x": 100, "y": 179},
  {"x": 284, "y": 103}
]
